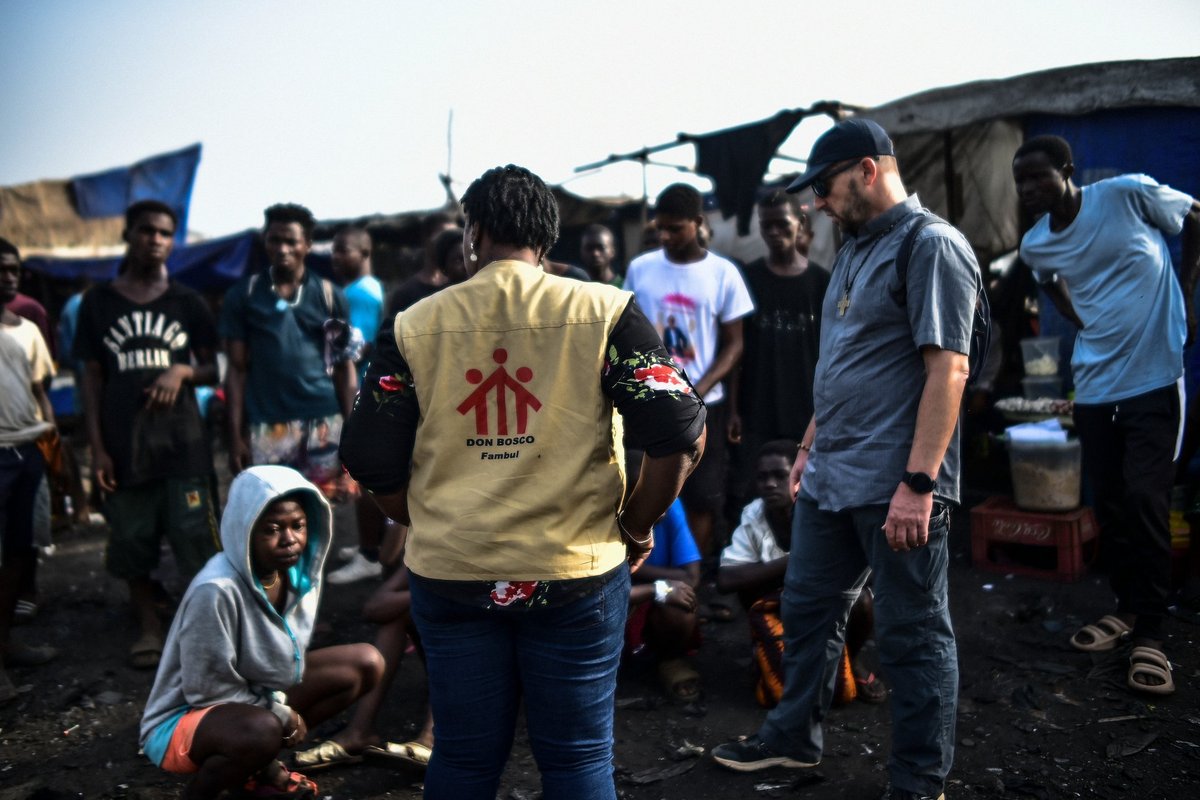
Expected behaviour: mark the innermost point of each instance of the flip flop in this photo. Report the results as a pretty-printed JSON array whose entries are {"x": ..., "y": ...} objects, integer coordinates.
[
  {"x": 25, "y": 611},
  {"x": 870, "y": 689},
  {"x": 412, "y": 754},
  {"x": 146, "y": 651},
  {"x": 1150, "y": 663},
  {"x": 298, "y": 787},
  {"x": 325, "y": 755},
  {"x": 679, "y": 680},
  {"x": 1104, "y": 632}
]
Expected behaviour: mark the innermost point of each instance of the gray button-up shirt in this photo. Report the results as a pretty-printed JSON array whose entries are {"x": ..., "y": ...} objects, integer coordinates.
[{"x": 871, "y": 374}]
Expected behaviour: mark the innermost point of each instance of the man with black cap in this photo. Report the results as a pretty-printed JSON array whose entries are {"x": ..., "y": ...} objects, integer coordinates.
[{"x": 878, "y": 468}]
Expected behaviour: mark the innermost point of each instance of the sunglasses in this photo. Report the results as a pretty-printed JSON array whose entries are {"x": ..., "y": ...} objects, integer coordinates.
[{"x": 820, "y": 184}]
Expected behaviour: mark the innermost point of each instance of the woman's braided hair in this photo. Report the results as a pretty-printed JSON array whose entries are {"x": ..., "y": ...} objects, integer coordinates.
[{"x": 514, "y": 207}]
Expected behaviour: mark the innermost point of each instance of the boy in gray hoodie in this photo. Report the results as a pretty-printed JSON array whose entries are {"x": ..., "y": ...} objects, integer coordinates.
[{"x": 236, "y": 685}]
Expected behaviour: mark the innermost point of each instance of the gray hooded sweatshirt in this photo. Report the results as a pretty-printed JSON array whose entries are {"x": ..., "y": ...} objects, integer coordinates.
[{"x": 228, "y": 644}]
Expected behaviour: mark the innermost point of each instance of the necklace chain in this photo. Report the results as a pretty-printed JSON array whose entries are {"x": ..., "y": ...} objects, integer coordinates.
[
  {"x": 271, "y": 585},
  {"x": 844, "y": 303}
]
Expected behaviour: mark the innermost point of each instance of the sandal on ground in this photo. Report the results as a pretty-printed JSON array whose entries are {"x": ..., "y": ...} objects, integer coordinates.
[
  {"x": 24, "y": 611},
  {"x": 412, "y": 754},
  {"x": 1103, "y": 634},
  {"x": 679, "y": 680},
  {"x": 870, "y": 689},
  {"x": 325, "y": 755},
  {"x": 296, "y": 787},
  {"x": 146, "y": 651},
  {"x": 1150, "y": 664}
]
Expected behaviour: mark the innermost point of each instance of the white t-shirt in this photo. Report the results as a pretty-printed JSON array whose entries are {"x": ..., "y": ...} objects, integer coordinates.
[
  {"x": 29, "y": 335},
  {"x": 20, "y": 417},
  {"x": 752, "y": 541},
  {"x": 1118, "y": 270},
  {"x": 687, "y": 303}
]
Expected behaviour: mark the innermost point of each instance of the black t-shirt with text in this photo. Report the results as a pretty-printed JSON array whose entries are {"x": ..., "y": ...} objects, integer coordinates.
[{"x": 134, "y": 343}]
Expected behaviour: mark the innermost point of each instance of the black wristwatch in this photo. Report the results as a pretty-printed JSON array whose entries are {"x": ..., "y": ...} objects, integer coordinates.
[{"x": 919, "y": 482}]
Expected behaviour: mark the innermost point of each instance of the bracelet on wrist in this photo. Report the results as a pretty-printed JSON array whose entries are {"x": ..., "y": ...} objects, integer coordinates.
[
  {"x": 805, "y": 447},
  {"x": 661, "y": 590},
  {"x": 629, "y": 537}
]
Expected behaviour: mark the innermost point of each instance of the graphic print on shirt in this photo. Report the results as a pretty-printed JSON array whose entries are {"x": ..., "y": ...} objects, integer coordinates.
[
  {"x": 676, "y": 322},
  {"x": 127, "y": 336},
  {"x": 499, "y": 385}
]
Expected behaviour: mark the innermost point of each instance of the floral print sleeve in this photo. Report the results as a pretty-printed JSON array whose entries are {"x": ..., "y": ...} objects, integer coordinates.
[
  {"x": 661, "y": 410},
  {"x": 385, "y": 410}
]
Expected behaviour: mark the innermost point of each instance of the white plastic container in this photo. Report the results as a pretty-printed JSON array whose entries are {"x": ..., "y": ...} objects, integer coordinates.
[
  {"x": 1040, "y": 355},
  {"x": 1045, "y": 475}
]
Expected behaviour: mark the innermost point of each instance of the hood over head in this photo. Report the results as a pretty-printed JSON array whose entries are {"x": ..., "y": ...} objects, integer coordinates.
[{"x": 249, "y": 495}]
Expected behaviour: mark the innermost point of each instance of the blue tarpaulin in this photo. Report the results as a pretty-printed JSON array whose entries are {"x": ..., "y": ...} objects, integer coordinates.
[
  {"x": 206, "y": 266},
  {"x": 209, "y": 266},
  {"x": 168, "y": 178}
]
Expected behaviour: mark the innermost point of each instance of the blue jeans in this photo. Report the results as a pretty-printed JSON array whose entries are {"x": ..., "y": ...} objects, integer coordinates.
[
  {"x": 562, "y": 660},
  {"x": 832, "y": 556}
]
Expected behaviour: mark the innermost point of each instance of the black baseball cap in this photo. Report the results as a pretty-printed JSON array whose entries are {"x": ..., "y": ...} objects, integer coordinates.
[{"x": 851, "y": 138}]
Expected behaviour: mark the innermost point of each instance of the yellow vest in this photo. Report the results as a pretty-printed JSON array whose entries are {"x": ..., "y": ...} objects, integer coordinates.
[{"x": 517, "y": 469}]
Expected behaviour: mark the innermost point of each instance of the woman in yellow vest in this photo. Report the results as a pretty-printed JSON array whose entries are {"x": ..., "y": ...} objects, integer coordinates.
[{"x": 487, "y": 422}]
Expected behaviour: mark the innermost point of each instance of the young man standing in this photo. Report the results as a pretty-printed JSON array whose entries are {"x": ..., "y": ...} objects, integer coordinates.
[
  {"x": 291, "y": 378},
  {"x": 146, "y": 341},
  {"x": 364, "y": 294},
  {"x": 25, "y": 415},
  {"x": 596, "y": 252},
  {"x": 696, "y": 300},
  {"x": 882, "y": 470},
  {"x": 771, "y": 390},
  {"x": 1106, "y": 244}
]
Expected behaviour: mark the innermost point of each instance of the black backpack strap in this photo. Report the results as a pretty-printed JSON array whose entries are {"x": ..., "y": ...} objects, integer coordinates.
[
  {"x": 981, "y": 328},
  {"x": 904, "y": 254}
]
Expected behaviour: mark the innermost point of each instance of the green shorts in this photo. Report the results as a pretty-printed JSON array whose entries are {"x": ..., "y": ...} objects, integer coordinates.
[{"x": 181, "y": 509}]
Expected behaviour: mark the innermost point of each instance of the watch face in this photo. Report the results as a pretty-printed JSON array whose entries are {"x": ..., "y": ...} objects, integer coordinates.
[{"x": 919, "y": 482}]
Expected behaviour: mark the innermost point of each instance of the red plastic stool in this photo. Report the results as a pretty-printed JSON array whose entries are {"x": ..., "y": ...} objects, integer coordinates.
[{"x": 997, "y": 524}]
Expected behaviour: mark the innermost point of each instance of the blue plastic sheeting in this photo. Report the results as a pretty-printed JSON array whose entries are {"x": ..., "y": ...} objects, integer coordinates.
[
  {"x": 209, "y": 266},
  {"x": 167, "y": 178},
  {"x": 1163, "y": 143},
  {"x": 206, "y": 266}
]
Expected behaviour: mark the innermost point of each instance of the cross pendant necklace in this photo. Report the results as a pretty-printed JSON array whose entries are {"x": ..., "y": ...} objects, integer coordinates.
[{"x": 843, "y": 304}]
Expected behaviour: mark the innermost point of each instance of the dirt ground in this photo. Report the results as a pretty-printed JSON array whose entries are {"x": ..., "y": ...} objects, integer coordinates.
[{"x": 1036, "y": 719}]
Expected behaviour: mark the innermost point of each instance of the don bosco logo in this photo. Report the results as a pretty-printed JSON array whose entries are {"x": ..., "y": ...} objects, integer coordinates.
[{"x": 502, "y": 386}]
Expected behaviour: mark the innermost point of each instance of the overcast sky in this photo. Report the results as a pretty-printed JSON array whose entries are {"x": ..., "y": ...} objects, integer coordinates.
[{"x": 343, "y": 106}]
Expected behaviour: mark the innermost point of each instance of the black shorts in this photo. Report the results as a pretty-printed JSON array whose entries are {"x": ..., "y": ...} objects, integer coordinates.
[
  {"x": 704, "y": 491},
  {"x": 21, "y": 471}
]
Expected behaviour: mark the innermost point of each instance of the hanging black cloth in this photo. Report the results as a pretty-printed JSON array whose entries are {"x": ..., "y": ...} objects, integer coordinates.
[{"x": 737, "y": 158}]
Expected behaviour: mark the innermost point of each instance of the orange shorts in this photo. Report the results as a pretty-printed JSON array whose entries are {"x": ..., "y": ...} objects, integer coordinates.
[{"x": 176, "y": 758}]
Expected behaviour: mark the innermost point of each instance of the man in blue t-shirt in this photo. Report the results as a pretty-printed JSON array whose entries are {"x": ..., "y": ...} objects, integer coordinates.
[
  {"x": 364, "y": 292},
  {"x": 1101, "y": 254},
  {"x": 662, "y": 604},
  {"x": 290, "y": 380}
]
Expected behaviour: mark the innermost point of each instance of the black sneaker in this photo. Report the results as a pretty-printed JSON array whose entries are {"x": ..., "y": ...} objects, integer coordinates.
[
  {"x": 893, "y": 793},
  {"x": 749, "y": 754}
]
